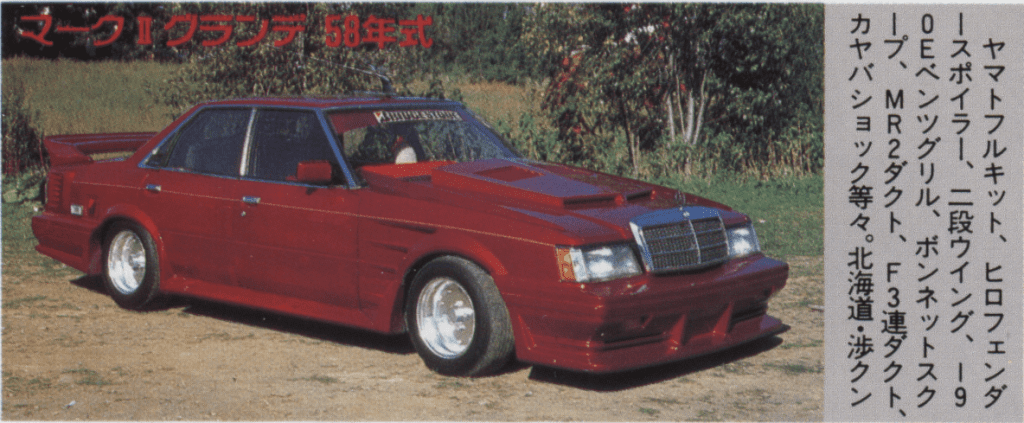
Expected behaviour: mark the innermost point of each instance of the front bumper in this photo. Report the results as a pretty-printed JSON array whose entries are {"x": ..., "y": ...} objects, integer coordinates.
[{"x": 648, "y": 320}]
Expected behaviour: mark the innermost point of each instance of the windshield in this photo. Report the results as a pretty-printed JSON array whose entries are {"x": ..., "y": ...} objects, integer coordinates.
[{"x": 412, "y": 136}]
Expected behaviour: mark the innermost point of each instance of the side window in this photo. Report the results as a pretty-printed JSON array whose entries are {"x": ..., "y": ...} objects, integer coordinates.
[
  {"x": 210, "y": 143},
  {"x": 282, "y": 139}
]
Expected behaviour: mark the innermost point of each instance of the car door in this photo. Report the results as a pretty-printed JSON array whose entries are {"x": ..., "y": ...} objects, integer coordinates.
[
  {"x": 191, "y": 188},
  {"x": 295, "y": 239}
]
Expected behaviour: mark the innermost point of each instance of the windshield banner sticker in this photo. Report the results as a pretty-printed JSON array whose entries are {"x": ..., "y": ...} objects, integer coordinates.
[{"x": 390, "y": 116}]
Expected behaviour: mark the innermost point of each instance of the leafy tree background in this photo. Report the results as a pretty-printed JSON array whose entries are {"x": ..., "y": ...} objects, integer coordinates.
[{"x": 648, "y": 90}]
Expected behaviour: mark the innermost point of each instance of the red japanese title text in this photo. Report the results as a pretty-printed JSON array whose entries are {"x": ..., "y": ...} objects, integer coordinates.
[{"x": 351, "y": 30}]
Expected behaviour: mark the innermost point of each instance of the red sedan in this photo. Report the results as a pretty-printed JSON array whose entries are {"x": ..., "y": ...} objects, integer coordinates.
[{"x": 408, "y": 215}]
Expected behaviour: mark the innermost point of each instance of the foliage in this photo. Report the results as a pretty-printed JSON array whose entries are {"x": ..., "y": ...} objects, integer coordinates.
[
  {"x": 306, "y": 67},
  {"x": 480, "y": 40},
  {"x": 22, "y": 142},
  {"x": 651, "y": 90},
  {"x": 749, "y": 74},
  {"x": 25, "y": 186},
  {"x": 229, "y": 71}
]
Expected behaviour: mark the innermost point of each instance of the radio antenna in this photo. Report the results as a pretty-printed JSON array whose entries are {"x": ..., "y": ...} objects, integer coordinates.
[{"x": 386, "y": 86}]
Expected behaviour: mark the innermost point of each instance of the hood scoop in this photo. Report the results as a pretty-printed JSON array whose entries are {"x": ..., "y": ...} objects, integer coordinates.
[{"x": 518, "y": 181}]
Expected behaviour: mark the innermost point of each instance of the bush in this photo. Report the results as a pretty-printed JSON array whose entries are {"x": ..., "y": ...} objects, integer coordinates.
[
  {"x": 22, "y": 142},
  {"x": 25, "y": 186}
]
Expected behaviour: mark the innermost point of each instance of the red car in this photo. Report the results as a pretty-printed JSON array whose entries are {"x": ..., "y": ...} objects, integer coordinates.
[{"x": 408, "y": 215}]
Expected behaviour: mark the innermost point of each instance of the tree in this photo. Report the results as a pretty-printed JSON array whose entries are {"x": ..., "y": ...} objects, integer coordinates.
[
  {"x": 634, "y": 70},
  {"x": 306, "y": 66}
]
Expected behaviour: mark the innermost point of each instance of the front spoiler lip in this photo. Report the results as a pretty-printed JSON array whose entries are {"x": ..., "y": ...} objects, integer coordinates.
[
  {"x": 692, "y": 318},
  {"x": 610, "y": 370}
]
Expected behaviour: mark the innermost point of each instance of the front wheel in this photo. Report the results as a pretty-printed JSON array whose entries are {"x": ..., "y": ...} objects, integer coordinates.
[
  {"x": 457, "y": 320},
  {"x": 131, "y": 270}
]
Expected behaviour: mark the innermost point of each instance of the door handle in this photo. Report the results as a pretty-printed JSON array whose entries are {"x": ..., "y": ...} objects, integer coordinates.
[
  {"x": 153, "y": 187},
  {"x": 250, "y": 200}
]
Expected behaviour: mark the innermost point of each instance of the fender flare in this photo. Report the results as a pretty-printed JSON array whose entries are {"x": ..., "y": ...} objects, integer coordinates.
[
  {"x": 123, "y": 212},
  {"x": 442, "y": 243}
]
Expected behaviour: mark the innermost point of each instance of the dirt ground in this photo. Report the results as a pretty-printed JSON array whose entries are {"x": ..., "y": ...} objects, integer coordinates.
[{"x": 69, "y": 353}]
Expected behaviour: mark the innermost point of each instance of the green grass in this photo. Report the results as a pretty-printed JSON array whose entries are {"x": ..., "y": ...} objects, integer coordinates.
[
  {"x": 496, "y": 101},
  {"x": 17, "y": 303},
  {"x": 705, "y": 416},
  {"x": 796, "y": 368},
  {"x": 17, "y": 384},
  {"x": 809, "y": 344},
  {"x": 649, "y": 411},
  {"x": 663, "y": 401},
  {"x": 788, "y": 214},
  {"x": 326, "y": 380},
  {"x": 450, "y": 384},
  {"x": 88, "y": 377},
  {"x": 78, "y": 97},
  {"x": 735, "y": 368}
]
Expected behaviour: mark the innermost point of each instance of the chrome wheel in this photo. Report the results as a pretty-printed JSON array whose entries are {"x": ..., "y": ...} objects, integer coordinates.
[
  {"x": 126, "y": 262},
  {"x": 445, "y": 317}
]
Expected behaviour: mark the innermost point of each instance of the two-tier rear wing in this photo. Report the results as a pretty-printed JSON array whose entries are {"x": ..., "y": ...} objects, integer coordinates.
[{"x": 74, "y": 149}]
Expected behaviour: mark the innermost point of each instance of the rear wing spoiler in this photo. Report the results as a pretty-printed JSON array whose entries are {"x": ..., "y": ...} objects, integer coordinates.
[{"x": 75, "y": 149}]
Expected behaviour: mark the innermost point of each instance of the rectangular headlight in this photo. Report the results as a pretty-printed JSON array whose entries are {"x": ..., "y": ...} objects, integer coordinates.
[
  {"x": 597, "y": 263},
  {"x": 742, "y": 241}
]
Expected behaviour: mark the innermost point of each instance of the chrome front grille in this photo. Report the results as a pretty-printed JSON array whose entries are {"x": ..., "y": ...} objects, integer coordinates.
[{"x": 681, "y": 239}]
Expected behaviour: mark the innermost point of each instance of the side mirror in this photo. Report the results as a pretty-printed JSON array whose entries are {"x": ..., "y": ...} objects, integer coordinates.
[{"x": 314, "y": 172}]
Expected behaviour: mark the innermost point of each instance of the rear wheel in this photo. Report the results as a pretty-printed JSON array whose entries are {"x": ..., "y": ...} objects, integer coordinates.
[
  {"x": 457, "y": 320},
  {"x": 131, "y": 268}
]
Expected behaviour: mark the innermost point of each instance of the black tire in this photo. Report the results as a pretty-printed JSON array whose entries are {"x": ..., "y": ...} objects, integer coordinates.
[
  {"x": 439, "y": 292},
  {"x": 130, "y": 276}
]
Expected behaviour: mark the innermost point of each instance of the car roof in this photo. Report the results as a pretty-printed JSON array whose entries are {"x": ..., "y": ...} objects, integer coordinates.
[{"x": 333, "y": 102}]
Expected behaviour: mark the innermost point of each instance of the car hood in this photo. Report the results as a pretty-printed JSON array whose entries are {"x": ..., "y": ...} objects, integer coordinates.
[{"x": 581, "y": 202}]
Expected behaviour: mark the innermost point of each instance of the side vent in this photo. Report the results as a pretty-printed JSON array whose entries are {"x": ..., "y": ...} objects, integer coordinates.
[
  {"x": 54, "y": 191},
  {"x": 639, "y": 195}
]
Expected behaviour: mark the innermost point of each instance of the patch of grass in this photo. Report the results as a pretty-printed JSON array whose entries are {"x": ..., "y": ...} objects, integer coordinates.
[
  {"x": 809, "y": 344},
  {"x": 663, "y": 401},
  {"x": 649, "y": 411},
  {"x": 496, "y": 101},
  {"x": 88, "y": 377},
  {"x": 20, "y": 385},
  {"x": 224, "y": 336},
  {"x": 68, "y": 342},
  {"x": 735, "y": 368},
  {"x": 90, "y": 97},
  {"x": 450, "y": 384},
  {"x": 18, "y": 303},
  {"x": 807, "y": 267},
  {"x": 326, "y": 380},
  {"x": 752, "y": 400},
  {"x": 788, "y": 213},
  {"x": 796, "y": 368},
  {"x": 705, "y": 416}
]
